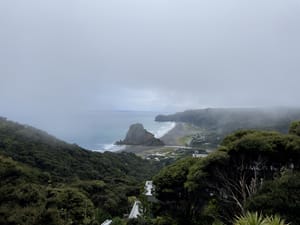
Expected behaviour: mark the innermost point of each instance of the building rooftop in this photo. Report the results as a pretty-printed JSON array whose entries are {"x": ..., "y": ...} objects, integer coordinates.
[{"x": 148, "y": 188}]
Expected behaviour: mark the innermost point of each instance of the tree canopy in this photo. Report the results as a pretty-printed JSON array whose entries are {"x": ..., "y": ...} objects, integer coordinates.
[
  {"x": 249, "y": 171},
  {"x": 47, "y": 181}
]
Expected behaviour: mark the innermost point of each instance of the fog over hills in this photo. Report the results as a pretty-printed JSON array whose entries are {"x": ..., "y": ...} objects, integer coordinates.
[
  {"x": 226, "y": 120},
  {"x": 58, "y": 57},
  {"x": 73, "y": 67}
]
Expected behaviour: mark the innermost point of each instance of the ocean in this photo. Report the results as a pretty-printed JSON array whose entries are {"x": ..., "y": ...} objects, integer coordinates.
[{"x": 99, "y": 130}]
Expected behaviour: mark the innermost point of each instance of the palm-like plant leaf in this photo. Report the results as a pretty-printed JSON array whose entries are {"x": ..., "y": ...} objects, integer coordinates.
[
  {"x": 256, "y": 219},
  {"x": 275, "y": 220},
  {"x": 250, "y": 219}
]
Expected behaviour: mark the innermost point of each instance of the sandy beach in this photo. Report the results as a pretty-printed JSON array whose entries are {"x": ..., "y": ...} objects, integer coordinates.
[
  {"x": 175, "y": 135},
  {"x": 172, "y": 139}
]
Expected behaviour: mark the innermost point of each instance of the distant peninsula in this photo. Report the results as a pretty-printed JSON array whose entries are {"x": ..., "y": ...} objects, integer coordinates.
[
  {"x": 227, "y": 120},
  {"x": 138, "y": 135}
]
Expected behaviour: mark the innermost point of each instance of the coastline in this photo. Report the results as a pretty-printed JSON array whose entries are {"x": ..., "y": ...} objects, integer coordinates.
[
  {"x": 172, "y": 140},
  {"x": 163, "y": 130},
  {"x": 179, "y": 132},
  {"x": 171, "y": 134},
  {"x": 175, "y": 138}
]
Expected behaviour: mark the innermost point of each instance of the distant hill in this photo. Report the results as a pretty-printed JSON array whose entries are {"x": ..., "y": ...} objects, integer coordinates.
[
  {"x": 228, "y": 119},
  {"x": 216, "y": 123},
  {"x": 38, "y": 149},
  {"x": 51, "y": 171}
]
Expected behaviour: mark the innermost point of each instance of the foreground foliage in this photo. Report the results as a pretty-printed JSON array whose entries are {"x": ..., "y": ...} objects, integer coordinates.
[
  {"x": 256, "y": 219},
  {"x": 251, "y": 170}
]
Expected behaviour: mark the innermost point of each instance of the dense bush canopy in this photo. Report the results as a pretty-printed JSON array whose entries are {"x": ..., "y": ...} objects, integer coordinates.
[
  {"x": 251, "y": 170},
  {"x": 47, "y": 181}
]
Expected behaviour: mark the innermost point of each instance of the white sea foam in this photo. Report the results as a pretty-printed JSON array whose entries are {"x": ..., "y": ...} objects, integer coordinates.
[
  {"x": 163, "y": 129},
  {"x": 159, "y": 129},
  {"x": 110, "y": 148}
]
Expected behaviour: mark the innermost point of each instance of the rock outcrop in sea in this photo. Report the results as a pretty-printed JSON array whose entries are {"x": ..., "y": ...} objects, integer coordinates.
[{"x": 138, "y": 135}]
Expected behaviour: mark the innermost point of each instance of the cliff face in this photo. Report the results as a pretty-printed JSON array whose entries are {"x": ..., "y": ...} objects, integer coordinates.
[{"x": 138, "y": 135}]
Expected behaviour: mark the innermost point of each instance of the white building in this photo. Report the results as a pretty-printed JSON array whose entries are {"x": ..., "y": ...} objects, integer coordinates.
[
  {"x": 199, "y": 155},
  {"x": 148, "y": 187},
  {"x": 135, "y": 211},
  {"x": 106, "y": 222}
]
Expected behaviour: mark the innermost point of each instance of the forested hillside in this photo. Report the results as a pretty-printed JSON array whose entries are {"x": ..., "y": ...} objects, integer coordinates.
[
  {"x": 256, "y": 171},
  {"x": 47, "y": 181},
  {"x": 228, "y": 120}
]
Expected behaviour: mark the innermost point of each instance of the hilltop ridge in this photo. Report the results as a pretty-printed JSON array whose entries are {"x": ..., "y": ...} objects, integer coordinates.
[
  {"x": 47, "y": 181},
  {"x": 231, "y": 119}
]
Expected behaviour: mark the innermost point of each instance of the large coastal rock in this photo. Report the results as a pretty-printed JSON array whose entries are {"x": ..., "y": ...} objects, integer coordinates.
[{"x": 138, "y": 135}]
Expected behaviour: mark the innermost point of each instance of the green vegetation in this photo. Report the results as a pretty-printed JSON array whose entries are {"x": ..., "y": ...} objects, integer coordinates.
[
  {"x": 214, "y": 124},
  {"x": 228, "y": 120},
  {"x": 251, "y": 170},
  {"x": 184, "y": 141},
  {"x": 250, "y": 219},
  {"x": 47, "y": 181},
  {"x": 256, "y": 219},
  {"x": 27, "y": 198},
  {"x": 295, "y": 128},
  {"x": 281, "y": 196},
  {"x": 64, "y": 161}
]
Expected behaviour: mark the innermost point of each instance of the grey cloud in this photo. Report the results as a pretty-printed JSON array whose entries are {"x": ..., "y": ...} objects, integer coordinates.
[{"x": 140, "y": 54}]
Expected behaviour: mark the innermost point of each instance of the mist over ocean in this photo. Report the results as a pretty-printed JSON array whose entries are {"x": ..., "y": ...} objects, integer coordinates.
[{"x": 98, "y": 130}]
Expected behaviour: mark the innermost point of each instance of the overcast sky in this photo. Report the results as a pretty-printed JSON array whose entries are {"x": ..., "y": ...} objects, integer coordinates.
[{"x": 162, "y": 55}]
